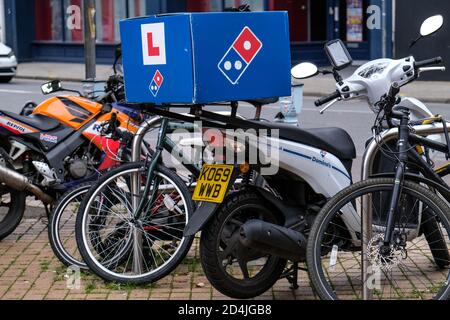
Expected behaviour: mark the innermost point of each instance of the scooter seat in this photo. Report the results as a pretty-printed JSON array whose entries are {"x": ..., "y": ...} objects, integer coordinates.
[
  {"x": 333, "y": 140},
  {"x": 36, "y": 121}
]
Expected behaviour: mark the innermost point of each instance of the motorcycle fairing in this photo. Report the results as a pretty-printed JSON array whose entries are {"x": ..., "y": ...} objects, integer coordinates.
[
  {"x": 15, "y": 127},
  {"x": 50, "y": 139},
  {"x": 71, "y": 111}
]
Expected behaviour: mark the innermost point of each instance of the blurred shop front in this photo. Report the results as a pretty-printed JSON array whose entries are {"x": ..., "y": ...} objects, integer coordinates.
[
  {"x": 51, "y": 30},
  {"x": 314, "y": 22}
]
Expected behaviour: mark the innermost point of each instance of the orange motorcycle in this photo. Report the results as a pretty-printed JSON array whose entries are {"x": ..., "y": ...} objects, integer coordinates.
[{"x": 65, "y": 141}]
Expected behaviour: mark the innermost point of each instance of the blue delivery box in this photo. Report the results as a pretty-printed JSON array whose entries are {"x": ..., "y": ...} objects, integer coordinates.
[{"x": 199, "y": 58}]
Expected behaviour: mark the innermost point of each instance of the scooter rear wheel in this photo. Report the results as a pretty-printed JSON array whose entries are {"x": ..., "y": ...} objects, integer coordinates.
[{"x": 236, "y": 271}]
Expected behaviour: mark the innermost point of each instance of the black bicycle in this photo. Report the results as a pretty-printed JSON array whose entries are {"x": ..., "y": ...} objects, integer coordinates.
[{"x": 387, "y": 237}]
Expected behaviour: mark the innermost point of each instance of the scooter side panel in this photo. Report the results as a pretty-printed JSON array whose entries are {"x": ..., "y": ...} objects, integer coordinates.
[{"x": 323, "y": 171}]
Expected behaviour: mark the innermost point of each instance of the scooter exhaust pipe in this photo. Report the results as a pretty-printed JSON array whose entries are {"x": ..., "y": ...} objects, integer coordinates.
[
  {"x": 19, "y": 182},
  {"x": 274, "y": 240}
]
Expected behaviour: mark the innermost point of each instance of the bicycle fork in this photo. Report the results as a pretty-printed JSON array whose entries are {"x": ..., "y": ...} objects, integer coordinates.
[
  {"x": 402, "y": 147},
  {"x": 140, "y": 204}
]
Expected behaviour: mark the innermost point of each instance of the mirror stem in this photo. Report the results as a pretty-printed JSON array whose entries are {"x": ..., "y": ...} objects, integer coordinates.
[
  {"x": 413, "y": 43},
  {"x": 336, "y": 75}
]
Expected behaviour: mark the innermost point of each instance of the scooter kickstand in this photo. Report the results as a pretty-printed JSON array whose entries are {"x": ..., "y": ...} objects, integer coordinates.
[{"x": 293, "y": 278}]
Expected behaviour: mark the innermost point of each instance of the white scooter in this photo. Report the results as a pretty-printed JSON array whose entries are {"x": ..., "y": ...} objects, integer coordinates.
[{"x": 248, "y": 236}]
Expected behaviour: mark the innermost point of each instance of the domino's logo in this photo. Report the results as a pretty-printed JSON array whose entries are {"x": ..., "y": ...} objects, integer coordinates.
[
  {"x": 153, "y": 44},
  {"x": 240, "y": 55},
  {"x": 156, "y": 83}
]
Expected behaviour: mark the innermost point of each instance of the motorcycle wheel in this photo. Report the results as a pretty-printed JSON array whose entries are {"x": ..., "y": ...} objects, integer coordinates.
[
  {"x": 12, "y": 208},
  {"x": 234, "y": 270}
]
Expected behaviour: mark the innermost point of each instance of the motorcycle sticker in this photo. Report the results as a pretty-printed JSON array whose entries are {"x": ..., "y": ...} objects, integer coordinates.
[
  {"x": 15, "y": 126},
  {"x": 240, "y": 55},
  {"x": 49, "y": 138}
]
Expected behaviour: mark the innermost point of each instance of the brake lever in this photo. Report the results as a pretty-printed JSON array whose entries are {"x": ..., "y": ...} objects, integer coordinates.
[
  {"x": 427, "y": 69},
  {"x": 329, "y": 105}
]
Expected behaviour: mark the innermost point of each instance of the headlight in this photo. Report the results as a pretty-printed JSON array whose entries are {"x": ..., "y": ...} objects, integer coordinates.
[{"x": 11, "y": 54}]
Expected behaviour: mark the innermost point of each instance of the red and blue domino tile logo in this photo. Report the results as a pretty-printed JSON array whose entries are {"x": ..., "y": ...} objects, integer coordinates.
[
  {"x": 240, "y": 55},
  {"x": 156, "y": 83}
]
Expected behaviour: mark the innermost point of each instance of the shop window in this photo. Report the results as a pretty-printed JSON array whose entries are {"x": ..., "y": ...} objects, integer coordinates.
[
  {"x": 48, "y": 25},
  {"x": 318, "y": 12},
  {"x": 73, "y": 34},
  {"x": 298, "y": 17},
  {"x": 108, "y": 15},
  {"x": 255, "y": 5},
  {"x": 137, "y": 8},
  {"x": 204, "y": 5},
  {"x": 352, "y": 16},
  {"x": 220, "y": 5},
  {"x": 51, "y": 17}
]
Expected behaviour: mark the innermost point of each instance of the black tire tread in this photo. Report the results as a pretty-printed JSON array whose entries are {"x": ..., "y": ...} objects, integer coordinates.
[
  {"x": 208, "y": 256},
  {"x": 52, "y": 226}
]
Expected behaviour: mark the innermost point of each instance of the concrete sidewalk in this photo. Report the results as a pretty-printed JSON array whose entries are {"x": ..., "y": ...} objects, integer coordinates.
[
  {"x": 426, "y": 91},
  {"x": 62, "y": 71}
]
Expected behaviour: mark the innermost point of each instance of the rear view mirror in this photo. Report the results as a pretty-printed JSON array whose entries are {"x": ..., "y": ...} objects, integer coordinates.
[
  {"x": 304, "y": 70},
  {"x": 431, "y": 25},
  {"x": 117, "y": 66},
  {"x": 338, "y": 54},
  {"x": 52, "y": 86}
]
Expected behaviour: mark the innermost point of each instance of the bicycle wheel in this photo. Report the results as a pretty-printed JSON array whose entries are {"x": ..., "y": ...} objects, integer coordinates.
[
  {"x": 61, "y": 227},
  {"x": 120, "y": 248},
  {"x": 405, "y": 270}
]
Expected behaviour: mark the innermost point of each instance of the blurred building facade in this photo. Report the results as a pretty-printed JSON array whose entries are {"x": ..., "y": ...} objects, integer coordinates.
[
  {"x": 2, "y": 21},
  {"x": 50, "y": 30}
]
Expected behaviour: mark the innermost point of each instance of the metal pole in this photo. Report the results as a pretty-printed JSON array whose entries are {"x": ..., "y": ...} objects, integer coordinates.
[
  {"x": 89, "y": 38},
  {"x": 384, "y": 28},
  {"x": 137, "y": 263},
  {"x": 394, "y": 27}
]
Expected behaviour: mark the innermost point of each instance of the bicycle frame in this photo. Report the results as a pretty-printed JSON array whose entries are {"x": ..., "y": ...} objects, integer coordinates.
[{"x": 367, "y": 165}]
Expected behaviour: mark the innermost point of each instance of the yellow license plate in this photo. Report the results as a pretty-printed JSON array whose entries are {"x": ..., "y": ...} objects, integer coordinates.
[{"x": 213, "y": 183}]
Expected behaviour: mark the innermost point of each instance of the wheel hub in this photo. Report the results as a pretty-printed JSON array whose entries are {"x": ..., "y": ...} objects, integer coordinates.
[{"x": 382, "y": 256}]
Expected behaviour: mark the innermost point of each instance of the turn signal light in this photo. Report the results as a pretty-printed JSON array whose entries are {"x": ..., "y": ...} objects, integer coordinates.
[{"x": 244, "y": 167}]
